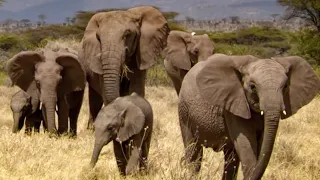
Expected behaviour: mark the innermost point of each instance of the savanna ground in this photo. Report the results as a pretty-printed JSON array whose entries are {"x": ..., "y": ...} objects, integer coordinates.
[{"x": 295, "y": 156}]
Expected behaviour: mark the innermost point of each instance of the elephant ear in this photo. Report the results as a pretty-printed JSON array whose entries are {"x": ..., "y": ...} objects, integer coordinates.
[
  {"x": 177, "y": 53},
  {"x": 133, "y": 121},
  {"x": 303, "y": 83},
  {"x": 91, "y": 48},
  {"x": 73, "y": 74},
  {"x": 220, "y": 83},
  {"x": 154, "y": 32},
  {"x": 21, "y": 68}
]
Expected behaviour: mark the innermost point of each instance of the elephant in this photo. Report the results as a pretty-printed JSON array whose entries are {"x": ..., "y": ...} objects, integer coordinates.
[
  {"x": 26, "y": 109},
  {"x": 127, "y": 121},
  {"x": 117, "y": 49},
  {"x": 234, "y": 104},
  {"x": 183, "y": 51},
  {"x": 60, "y": 79}
]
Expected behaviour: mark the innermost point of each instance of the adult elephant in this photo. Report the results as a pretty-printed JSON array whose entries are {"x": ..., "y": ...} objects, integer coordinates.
[
  {"x": 183, "y": 51},
  {"x": 234, "y": 103},
  {"x": 117, "y": 49},
  {"x": 60, "y": 79}
]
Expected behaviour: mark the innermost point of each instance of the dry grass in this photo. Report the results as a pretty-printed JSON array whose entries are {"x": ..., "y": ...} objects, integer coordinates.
[{"x": 296, "y": 154}]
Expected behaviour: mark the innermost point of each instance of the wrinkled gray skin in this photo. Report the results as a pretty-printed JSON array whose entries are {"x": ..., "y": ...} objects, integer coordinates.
[
  {"x": 112, "y": 40},
  {"x": 183, "y": 51},
  {"x": 26, "y": 109},
  {"x": 60, "y": 79},
  {"x": 221, "y": 102},
  {"x": 128, "y": 120}
]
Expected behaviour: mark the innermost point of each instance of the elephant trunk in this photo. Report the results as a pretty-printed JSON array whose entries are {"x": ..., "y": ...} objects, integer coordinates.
[
  {"x": 111, "y": 64},
  {"x": 50, "y": 110},
  {"x": 271, "y": 123},
  {"x": 98, "y": 145},
  {"x": 272, "y": 104},
  {"x": 18, "y": 121}
]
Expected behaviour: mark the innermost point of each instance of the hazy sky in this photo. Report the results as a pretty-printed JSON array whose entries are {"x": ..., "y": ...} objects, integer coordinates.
[{"x": 17, "y": 5}]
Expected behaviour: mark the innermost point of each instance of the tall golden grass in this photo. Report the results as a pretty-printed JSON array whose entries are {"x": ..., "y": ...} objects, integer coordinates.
[{"x": 295, "y": 156}]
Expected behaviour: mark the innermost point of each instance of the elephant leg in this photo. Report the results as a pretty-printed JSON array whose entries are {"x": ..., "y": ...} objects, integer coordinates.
[
  {"x": 121, "y": 154},
  {"x": 95, "y": 104},
  {"x": 63, "y": 115},
  {"x": 124, "y": 86},
  {"x": 231, "y": 164},
  {"x": 21, "y": 123},
  {"x": 44, "y": 116},
  {"x": 193, "y": 149},
  {"x": 29, "y": 125},
  {"x": 133, "y": 161},
  {"x": 176, "y": 82},
  {"x": 37, "y": 118},
  {"x": 145, "y": 152},
  {"x": 74, "y": 112},
  {"x": 243, "y": 136},
  {"x": 137, "y": 81},
  {"x": 37, "y": 126}
]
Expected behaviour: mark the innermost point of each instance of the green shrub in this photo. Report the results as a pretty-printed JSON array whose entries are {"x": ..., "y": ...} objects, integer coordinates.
[
  {"x": 8, "y": 41},
  {"x": 306, "y": 44},
  {"x": 36, "y": 36},
  {"x": 174, "y": 26},
  {"x": 261, "y": 52},
  {"x": 157, "y": 76},
  {"x": 250, "y": 36}
]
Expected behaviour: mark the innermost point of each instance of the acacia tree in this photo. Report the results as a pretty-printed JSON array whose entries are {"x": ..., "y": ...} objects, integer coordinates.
[
  {"x": 308, "y": 10},
  {"x": 274, "y": 16},
  {"x": 42, "y": 18}
]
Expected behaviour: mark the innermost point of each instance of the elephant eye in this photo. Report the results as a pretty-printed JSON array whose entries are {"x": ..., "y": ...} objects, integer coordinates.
[
  {"x": 126, "y": 33},
  {"x": 253, "y": 88},
  {"x": 110, "y": 128},
  {"x": 196, "y": 51},
  {"x": 38, "y": 83}
]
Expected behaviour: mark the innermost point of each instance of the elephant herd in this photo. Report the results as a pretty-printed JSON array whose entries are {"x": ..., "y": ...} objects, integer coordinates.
[{"x": 229, "y": 103}]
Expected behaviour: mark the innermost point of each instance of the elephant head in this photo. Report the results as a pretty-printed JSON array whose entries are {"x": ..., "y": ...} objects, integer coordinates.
[
  {"x": 274, "y": 88},
  {"x": 119, "y": 120},
  {"x": 54, "y": 73},
  {"x": 114, "y": 38},
  {"x": 20, "y": 104},
  {"x": 186, "y": 49}
]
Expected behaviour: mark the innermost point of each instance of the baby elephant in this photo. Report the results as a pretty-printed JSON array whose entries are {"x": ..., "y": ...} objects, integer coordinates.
[
  {"x": 127, "y": 121},
  {"x": 23, "y": 107}
]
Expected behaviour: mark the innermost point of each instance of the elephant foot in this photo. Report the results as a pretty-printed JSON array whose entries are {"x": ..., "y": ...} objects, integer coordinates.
[
  {"x": 53, "y": 135},
  {"x": 72, "y": 136},
  {"x": 90, "y": 126}
]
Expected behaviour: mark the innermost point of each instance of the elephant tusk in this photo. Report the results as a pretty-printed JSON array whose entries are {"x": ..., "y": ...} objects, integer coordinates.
[
  {"x": 40, "y": 105},
  {"x": 284, "y": 112},
  {"x": 261, "y": 113},
  {"x": 193, "y": 33}
]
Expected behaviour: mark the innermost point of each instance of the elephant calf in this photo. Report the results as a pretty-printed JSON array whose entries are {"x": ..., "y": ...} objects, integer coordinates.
[
  {"x": 127, "y": 121},
  {"x": 23, "y": 109},
  {"x": 183, "y": 51}
]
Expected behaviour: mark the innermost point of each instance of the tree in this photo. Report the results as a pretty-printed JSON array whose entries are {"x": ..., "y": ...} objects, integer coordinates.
[
  {"x": 308, "y": 10},
  {"x": 68, "y": 21},
  {"x": 42, "y": 18},
  {"x": 170, "y": 15},
  {"x": 190, "y": 19},
  {"x": 235, "y": 19},
  {"x": 274, "y": 16},
  {"x": 25, "y": 22}
]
